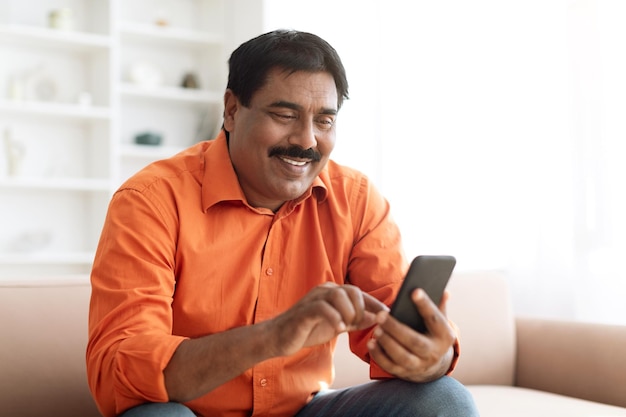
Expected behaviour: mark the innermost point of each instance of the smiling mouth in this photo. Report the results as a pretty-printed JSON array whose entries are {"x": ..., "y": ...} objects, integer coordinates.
[{"x": 293, "y": 161}]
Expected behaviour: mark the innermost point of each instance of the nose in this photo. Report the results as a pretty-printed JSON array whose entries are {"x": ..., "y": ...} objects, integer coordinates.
[{"x": 303, "y": 134}]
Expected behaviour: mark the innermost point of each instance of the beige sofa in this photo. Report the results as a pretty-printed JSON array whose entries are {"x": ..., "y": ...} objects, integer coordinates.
[{"x": 513, "y": 367}]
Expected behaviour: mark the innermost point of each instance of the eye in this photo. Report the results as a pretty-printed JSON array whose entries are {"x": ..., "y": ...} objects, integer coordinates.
[
  {"x": 325, "y": 122},
  {"x": 285, "y": 117}
]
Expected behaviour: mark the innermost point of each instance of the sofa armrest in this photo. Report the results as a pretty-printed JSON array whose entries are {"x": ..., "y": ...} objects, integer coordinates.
[
  {"x": 42, "y": 350},
  {"x": 580, "y": 360}
]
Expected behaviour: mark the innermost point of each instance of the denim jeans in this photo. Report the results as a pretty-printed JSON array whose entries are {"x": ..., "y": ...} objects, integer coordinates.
[
  {"x": 444, "y": 397},
  {"x": 159, "y": 410}
]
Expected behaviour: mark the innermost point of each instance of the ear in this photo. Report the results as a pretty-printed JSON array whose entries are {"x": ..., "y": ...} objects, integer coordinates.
[{"x": 231, "y": 105}]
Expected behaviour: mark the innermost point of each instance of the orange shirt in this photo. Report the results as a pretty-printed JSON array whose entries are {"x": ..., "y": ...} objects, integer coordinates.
[{"x": 183, "y": 255}]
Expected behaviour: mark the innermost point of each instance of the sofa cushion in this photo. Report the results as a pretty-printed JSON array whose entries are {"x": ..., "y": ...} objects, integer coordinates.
[
  {"x": 349, "y": 368},
  {"x": 481, "y": 307},
  {"x": 502, "y": 401},
  {"x": 42, "y": 353}
]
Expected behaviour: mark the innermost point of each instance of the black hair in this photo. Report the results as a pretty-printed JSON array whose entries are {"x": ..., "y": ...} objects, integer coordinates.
[{"x": 290, "y": 50}]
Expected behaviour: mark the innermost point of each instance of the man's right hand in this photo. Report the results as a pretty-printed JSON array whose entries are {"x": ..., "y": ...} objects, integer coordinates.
[
  {"x": 202, "y": 364},
  {"x": 322, "y": 314}
]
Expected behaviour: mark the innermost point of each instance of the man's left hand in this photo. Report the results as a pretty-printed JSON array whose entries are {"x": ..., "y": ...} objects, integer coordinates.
[{"x": 408, "y": 354}]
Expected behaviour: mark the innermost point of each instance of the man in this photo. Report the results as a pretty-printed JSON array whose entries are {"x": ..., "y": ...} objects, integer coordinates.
[{"x": 224, "y": 274}]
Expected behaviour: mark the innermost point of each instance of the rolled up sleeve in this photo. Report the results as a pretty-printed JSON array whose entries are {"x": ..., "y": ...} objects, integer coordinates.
[{"x": 130, "y": 316}]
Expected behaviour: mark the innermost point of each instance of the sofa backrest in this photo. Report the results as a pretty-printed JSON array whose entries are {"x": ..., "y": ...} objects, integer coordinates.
[
  {"x": 42, "y": 352},
  {"x": 44, "y": 335},
  {"x": 480, "y": 305}
]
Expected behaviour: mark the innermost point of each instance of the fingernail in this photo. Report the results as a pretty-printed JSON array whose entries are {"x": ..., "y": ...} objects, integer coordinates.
[
  {"x": 418, "y": 294},
  {"x": 377, "y": 332},
  {"x": 381, "y": 317}
]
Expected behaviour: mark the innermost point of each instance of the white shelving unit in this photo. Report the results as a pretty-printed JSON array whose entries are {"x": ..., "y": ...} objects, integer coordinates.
[
  {"x": 74, "y": 97},
  {"x": 178, "y": 41}
]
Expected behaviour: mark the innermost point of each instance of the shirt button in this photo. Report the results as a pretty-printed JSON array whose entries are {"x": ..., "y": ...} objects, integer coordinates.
[
  {"x": 269, "y": 271},
  {"x": 263, "y": 382}
]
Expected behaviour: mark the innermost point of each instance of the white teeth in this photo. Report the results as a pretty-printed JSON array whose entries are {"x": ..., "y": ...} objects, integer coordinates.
[{"x": 296, "y": 163}]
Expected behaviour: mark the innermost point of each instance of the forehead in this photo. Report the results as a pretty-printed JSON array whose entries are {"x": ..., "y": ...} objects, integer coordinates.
[{"x": 302, "y": 87}]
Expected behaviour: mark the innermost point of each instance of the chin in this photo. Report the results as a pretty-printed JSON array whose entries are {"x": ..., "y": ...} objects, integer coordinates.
[{"x": 290, "y": 192}]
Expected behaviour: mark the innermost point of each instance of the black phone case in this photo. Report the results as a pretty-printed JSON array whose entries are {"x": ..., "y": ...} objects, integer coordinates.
[{"x": 429, "y": 272}]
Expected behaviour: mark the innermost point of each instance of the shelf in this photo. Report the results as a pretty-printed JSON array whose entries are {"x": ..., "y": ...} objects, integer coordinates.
[
  {"x": 148, "y": 152},
  {"x": 56, "y": 280},
  {"x": 71, "y": 157},
  {"x": 173, "y": 94},
  {"x": 61, "y": 184},
  {"x": 44, "y": 37},
  {"x": 46, "y": 258},
  {"x": 66, "y": 110},
  {"x": 143, "y": 32}
]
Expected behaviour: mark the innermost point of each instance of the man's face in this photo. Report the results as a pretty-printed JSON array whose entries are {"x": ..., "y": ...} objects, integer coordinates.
[{"x": 280, "y": 143}]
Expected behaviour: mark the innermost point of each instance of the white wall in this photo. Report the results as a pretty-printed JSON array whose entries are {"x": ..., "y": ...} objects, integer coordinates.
[
  {"x": 357, "y": 41},
  {"x": 495, "y": 129}
]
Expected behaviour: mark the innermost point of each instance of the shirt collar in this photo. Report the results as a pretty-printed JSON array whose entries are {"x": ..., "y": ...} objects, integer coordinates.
[{"x": 220, "y": 182}]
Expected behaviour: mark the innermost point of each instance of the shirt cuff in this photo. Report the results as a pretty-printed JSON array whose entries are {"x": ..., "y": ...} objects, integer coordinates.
[{"x": 455, "y": 359}]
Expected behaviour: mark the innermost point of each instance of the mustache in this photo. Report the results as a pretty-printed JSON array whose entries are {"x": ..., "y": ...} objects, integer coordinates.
[{"x": 295, "y": 152}]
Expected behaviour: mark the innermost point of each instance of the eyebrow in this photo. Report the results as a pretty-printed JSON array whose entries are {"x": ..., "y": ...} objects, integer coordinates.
[{"x": 297, "y": 107}]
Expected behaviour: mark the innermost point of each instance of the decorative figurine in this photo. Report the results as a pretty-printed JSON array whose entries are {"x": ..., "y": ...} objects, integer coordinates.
[
  {"x": 145, "y": 74},
  {"x": 190, "y": 81},
  {"x": 148, "y": 138},
  {"x": 62, "y": 19},
  {"x": 15, "y": 153}
]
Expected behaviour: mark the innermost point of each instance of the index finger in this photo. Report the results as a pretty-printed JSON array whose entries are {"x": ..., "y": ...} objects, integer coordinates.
[{"x": 373, "y": 304}]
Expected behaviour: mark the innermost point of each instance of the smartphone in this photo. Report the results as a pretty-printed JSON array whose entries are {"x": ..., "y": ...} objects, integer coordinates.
[{"x": 429, "y": 272}]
